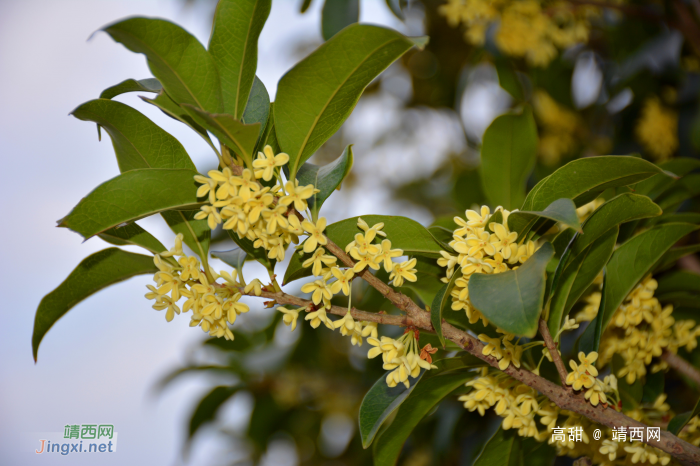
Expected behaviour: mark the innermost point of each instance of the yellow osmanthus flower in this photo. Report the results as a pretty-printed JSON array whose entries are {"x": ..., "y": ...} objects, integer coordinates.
[
  {"x": 657, "y": 129},
  {"x": 318, "y": 260},
  {"x": 297, "y": 195},
  {"x": 401, "y": 357},
  {"x": 343, "y": 281},
  {"x": 531, "y": 29},
  {"x": 290, "y": 316},
  {"x": 404, "y": 271},
  {"x": 267, "y": 161},
  {"x": 316, "y": 236},
  {"x": 320, "y": 291}
]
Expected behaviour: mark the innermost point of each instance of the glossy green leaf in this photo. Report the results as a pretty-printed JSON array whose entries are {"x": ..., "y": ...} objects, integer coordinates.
[
  {"x": 435, "y": 385},
  {"x": 257, "y": 110},
  {"x": 259, "y": 254},
  {"x": 132, "y": 234},
  {"x": 442, "y": 235},
  {"x": 174, "y": 111},
  {"x": 337, "y": 14},
  {"x": 590, "y": 339},
  {"x": 635, "y": 259},
  {"x": 653, "y": 187},
  {"x": 403, "y": 233},
  {"x": 503, "y": 449},
  {"x": 513, "y": 300},
  {"x": 234, "y": 47},
  {"x": 669, "y": 259},
  {"x": 680, "y": 420},
  {"x": 208, "y": 406},
  {"x": 138, "y": 142},
  {"x": 683, "y": 217},
  {"x": 130, "y": 196},
  {"x": 196, "y": 233},
  {"x": 582, "y": 180},
  {"x": 234, "y": 257},
  {"x": 326, "y": 178},
  {"x": 317, "y": 95},
  {"x": 620, "y": 209},
  {"x": 508, "y": 78},
  {"x": 681, "y": 280},
  {"x": 235, "y": 134},
  {"x": 98, "y": 271},
  {"x": 132, "y": 85},
  {"x": 561, "y": 210},
  {"x": 508, "y": 155},
  {"x": 428, "y": 283},
  {"x": 578, "y": 275},
  {"x": 175, "y": 57},
  {"x": 378, "y": 404},
  {"x": 442, "y": 300}
]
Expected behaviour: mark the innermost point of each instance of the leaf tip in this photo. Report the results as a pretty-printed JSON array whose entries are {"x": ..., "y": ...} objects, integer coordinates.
[{"x": 420, "y": 42}]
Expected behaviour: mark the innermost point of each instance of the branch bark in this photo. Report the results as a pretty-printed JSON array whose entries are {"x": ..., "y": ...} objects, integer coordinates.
[
  {"x": 556, "y": 357},
  {"x": 682, "y": 366}
]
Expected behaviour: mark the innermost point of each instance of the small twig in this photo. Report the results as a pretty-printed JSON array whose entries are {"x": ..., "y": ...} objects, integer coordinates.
[
  {"x": 556, "y": 357},
  {"x": 682, "y": 366}
]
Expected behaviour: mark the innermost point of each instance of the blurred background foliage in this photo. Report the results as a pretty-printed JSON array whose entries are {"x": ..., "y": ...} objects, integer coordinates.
[{"x": 632, "y": 86}]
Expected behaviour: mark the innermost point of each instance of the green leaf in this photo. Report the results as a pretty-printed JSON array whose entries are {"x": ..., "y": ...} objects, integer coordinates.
[
  {"x": 508, "y": 78},
  {"x": 133, "y": 234},
  {"x": 561, "y": 210},
  {"x": 304, "y": 6},
  {"x": 513, "y": 300},
  {"x": 94, "y": 273},
  {"x": 582, "y": 180},
  {"x": 174, "y": 111},
  {"x": 683, "y": 217},
  {"x": 132, "y": 85},
  {"x": 257, "y": 110},
  {"x": 403, "y": 232},
  {"x": 234, "y": 257},
  {"x": 234, "y": 47},
  {"x": 590, "y": 339},
  {"x": 269, "y": 136},
  {"x": 634, "y": 260},
  {"x": 259, "y": 254},
  {"x": 138, "y": 142},
  {"x": 426, "y": 395},
  {"x": 428, "y": 283},
  {"x": 327, "y": 178},
  {"x": 175, "y": 57},
  {"x": 442, "y": 299},
  {"x": 316, "y": 96},
  {"x": 620, "y": 209},
  {"x": 674, "y": 254},
  {"x": 196, "y": 233},
  {"x": 508, "y": 155},
  {"x": 678, "y": 422},
  {"x": 235, "y": 134},
  {"x": 337, "y": 14},
  {"x": 653, "y": 387},
  {"x": 130, "y": 196},
  {"x": 578, "y": 275},
  {"x": 657, "y": 184},
  {"x": 442, "y": 235},
  {"x": 208, "y": 406},
  {"x": 681, "y": 280},
  {"x": 378, "y": 404},
  {"x": 503, "y": 449}
]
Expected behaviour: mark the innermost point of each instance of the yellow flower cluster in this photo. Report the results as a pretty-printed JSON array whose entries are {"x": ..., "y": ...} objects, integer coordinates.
[
  {"x": 480, "y": 251},
  {"x": 584, "y": 377},
  {"x": 641, "y": 329},
  {"x": 255, "y": 211},
  {"x": 213, "y": 305},
  {"x": 530, "y": 29},
  {"x": 507, "y": 354},
  {"x": 515, "y": 402},
  {"x": 560, "y": 128},
  {"x": 691, "y": 432},
  {"x": 347, "y": 325},
  {"x": 520, "y": 405},
  {"x": 657, "y": 129},
  {"x": 402, "y": 357}
]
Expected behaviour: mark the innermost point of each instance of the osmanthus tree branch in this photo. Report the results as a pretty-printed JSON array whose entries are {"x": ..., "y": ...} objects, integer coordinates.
[
  {"x": 682, "y": 366},
  {"x": 682, "y": 451},
  {"x": 552, "y": 347}
]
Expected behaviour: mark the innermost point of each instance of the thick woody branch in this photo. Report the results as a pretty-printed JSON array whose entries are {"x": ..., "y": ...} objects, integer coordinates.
[
  {"x": 552, "y": 347},
  {"x": 684, "y": 452},
  {"x": 682, "y": 366}
]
